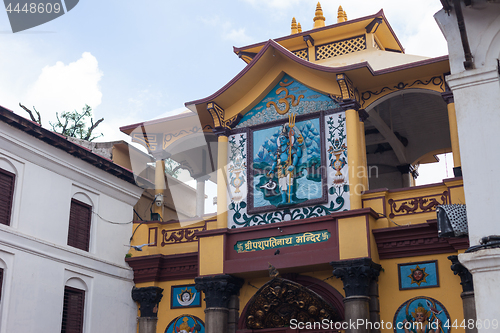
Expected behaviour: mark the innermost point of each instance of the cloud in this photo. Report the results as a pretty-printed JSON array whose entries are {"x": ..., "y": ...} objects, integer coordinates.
[
  {"x": 66, "y": 87},
  {"x": 227, "y": 30},
  {"x": 238, "y": 36}
]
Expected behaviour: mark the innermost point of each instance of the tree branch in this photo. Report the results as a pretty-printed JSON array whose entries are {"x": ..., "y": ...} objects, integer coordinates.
[
  {"x": 39, "y": 121},
  {"x": 89, "y": 133}
]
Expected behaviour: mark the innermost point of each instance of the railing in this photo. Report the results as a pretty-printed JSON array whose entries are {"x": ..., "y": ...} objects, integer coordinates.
[{"x": 404, "y": 204}]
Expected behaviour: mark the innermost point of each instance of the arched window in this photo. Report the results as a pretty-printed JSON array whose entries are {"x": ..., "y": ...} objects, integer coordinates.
[{"x": 73, "y": 306}]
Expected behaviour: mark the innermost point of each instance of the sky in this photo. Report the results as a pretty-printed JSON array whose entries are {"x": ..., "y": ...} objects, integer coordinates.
[{"x": 134, "y": 61}]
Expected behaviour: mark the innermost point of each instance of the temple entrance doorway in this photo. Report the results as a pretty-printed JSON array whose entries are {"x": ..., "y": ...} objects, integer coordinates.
[{"x": 298, "y": 304}]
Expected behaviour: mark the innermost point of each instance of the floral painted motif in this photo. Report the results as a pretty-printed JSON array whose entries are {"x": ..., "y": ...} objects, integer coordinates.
[
  {"x": 337, "y": 153},
  {"x": 237, "y": 166}
]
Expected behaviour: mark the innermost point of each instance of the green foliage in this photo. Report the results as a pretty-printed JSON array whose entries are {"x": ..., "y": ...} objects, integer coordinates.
[
  {"x": 74, "y": 124},
  {"x": 172, "y": 168}
]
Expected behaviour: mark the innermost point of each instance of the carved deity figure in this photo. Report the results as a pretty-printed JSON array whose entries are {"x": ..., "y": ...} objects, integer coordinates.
[
  {"x": 184, "y": 327},
  {"x": 421, "y": 324},
  {"x": 287, "y": 156}
]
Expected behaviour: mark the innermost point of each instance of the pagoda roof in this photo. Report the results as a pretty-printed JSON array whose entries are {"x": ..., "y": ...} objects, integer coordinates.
[{"x": 329, "y": 33}]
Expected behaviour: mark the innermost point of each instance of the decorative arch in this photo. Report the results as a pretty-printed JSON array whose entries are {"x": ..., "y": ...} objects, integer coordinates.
[
  {"x": 76, "y": 283},
  {"x": 83, "y": 197},
  {"x": 7, "y": 165},
  {"x": 435, "y": 83},
  {"x": 488, "y": 49},
  {"x": 388, "y": 95},
  {"x": 402, "y": 127},
  {"x": 278, "y": 301}
]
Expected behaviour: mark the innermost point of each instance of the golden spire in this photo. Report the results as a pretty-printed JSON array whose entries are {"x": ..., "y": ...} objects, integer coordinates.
[
  {"x": 294, "y": 26},
  {"x": 341, "y": 16},
  {"x": 319, "y": 19},
  {"x": 299, "y": 27}
]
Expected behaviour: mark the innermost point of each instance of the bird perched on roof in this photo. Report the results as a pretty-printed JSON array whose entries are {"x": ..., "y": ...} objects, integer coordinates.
[
  {"x": 139, "y": 247},
  {"x": 273, "y": 272}
]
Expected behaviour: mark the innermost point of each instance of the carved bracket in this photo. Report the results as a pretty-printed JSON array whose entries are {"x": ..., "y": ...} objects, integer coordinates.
[
  {"x": 460, "y": 270},
  {"x": 347, "y": 89},
  {"x": 221, "y": 125}
]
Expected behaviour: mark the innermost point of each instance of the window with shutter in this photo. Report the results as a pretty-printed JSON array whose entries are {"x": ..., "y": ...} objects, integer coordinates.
[
  {"x": 74, "y": 304},
  {"x": 80, "y": 217},
  {"x": 6, "y": 195}
]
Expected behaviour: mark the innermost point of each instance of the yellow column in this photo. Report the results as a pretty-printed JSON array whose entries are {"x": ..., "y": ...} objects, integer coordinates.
[
  {"x": 362, "y": 152},
  {"x": 159, "y": 185},
  {"x": 221, "y": 183},
  {"x": 452, "y": 119},
  {"x": 353, "y": 157}
]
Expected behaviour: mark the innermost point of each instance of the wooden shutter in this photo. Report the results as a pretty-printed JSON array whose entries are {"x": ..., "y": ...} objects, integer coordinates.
[
  {"x": 79, "y": 225},
  {"x": 74, "y": 304},
  {"x": 6, "y": 195}
]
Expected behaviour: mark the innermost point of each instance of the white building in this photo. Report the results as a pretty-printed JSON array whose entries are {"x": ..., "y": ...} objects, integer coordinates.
[
  {"x": 65, "y": 216},
  {"x": 472, "y": 30}
]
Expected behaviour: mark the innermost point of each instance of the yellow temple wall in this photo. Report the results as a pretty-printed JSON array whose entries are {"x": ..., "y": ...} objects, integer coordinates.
[{"x": 448, "y": 292}]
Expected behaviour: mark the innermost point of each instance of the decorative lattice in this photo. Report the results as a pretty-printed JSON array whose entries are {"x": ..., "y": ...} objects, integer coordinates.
[
  {"x": 304, "y": 54},
  {"x": 377, "y": 47},
  {"x": 342, "y": 47}
]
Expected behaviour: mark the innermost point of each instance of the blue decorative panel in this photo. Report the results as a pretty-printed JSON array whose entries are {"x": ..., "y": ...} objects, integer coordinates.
[
  {"x": 287, "y": 164},
  {"x": 288, "y": 96},
  {"x": 286, "y": 160},
  {"x": 185, "y": 296},
  {"x": 186, "y": 324},
  {"x": 336, "y": 179},
  {"x": 421, "y": 314},
  {"x": 418, "y": 275}
]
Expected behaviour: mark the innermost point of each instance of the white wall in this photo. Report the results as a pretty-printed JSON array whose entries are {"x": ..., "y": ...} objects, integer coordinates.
[
  {"x": 34, "y": 253},
  {"x": 477, "y": 103}
]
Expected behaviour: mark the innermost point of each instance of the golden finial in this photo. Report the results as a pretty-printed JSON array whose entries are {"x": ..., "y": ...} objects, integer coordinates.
[
  {"x": 299, "y": 27},
  {"x": 341, "y": 16},
  {"x": 319, "y": 19},
  {"x": 294, "y": 26}
]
